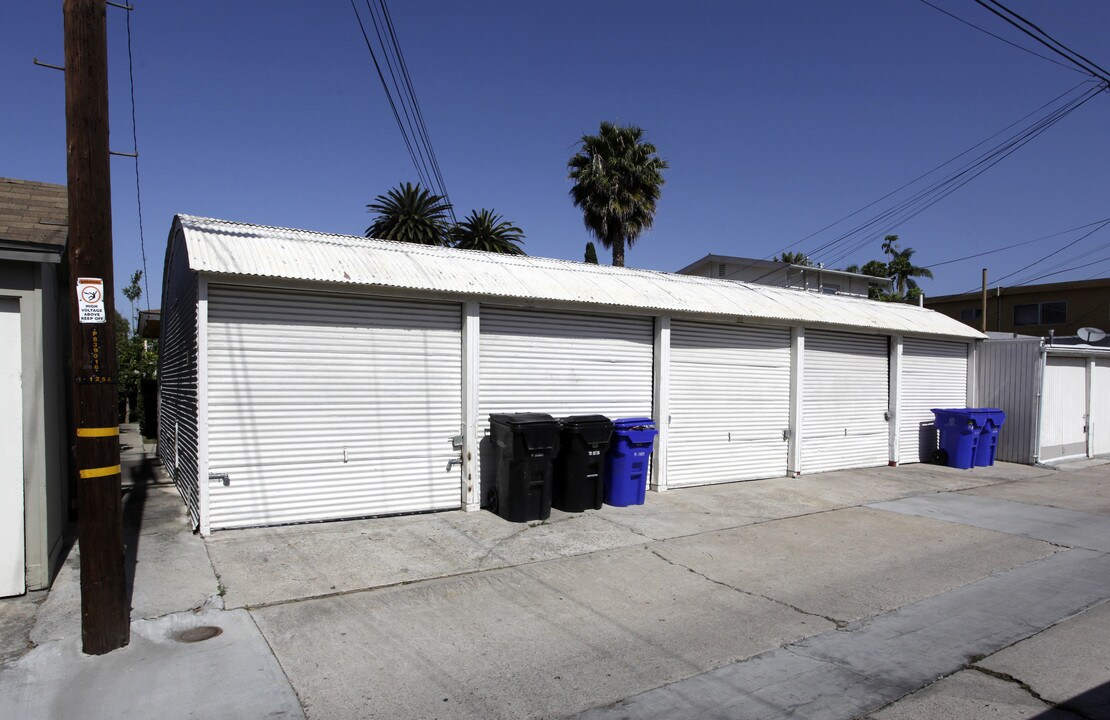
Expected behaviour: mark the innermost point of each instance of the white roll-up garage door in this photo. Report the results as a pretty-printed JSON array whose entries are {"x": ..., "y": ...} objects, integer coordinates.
[
  {"x": 330, "y": 406},
  {"x": 844, "y": 401},
  {"x": 561, "y": 364},
  {"x": 1064, "y": 414},
  {"x": 1100, "y": 408},
  {"x": 729, "y": 403},
  {"x": 934, "y": 375}
]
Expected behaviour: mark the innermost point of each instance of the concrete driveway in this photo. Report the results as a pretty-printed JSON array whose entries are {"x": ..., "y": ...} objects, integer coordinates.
[{"x": 889, "y": 593}]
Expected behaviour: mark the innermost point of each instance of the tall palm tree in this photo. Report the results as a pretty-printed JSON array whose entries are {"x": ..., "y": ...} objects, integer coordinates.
[
  {"x": 486, "y": 230},
  {"x": 901, "y": 268},
  {"x": 793, "y": 258},
  {"x": 410, "y": 213},
  {"x": 617, "y": 179}
]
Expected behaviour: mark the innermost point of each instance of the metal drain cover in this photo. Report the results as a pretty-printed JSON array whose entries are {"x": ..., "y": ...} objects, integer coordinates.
[{"x": 196, "y": 634}]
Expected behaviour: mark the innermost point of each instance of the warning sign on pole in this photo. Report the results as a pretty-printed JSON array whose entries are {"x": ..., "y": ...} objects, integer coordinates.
[{"x": 90, "y": 300}]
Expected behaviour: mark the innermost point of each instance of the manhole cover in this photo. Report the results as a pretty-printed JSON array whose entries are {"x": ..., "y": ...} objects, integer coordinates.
[{"x": 196, "y": 634}]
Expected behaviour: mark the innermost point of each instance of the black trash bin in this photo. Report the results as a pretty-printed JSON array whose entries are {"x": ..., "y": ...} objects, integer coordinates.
[
  {"x": 524, "y": 447},
  {"x": 580, "y": 464}
]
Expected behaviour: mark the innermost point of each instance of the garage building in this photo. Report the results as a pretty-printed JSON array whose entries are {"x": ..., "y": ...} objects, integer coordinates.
[{"x": 308, "y": 376}]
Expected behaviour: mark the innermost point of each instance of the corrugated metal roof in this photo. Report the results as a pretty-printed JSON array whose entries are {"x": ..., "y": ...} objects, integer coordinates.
[{"x": 229, "y": 248}]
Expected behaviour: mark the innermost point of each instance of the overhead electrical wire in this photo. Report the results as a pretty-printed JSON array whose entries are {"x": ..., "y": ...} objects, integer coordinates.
[
  {"x": 999, "y": 37},
  {"x": 890, "y": 218},
  {"x": 1033, "y": 31},
  {"x": 135, "y": 150},
  {"x": 1082, "y": 237},
  {"x": 401, "y": 94},
  {"x": 925, "y": 199},
  {"x": 1014, "y": 245}
]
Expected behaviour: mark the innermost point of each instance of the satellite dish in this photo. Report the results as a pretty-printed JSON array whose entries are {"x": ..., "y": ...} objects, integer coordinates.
[{"x": 1090, "y": 335}]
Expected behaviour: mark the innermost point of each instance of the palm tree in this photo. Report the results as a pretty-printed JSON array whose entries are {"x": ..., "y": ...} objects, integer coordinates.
[
  {"x": 793, "y": 258},
  {"x": 410, "y": 213},
  {"x": 901, "y": 268},
  {"x": 617, "y": 180},
  {"x": 486, "y": 230}
]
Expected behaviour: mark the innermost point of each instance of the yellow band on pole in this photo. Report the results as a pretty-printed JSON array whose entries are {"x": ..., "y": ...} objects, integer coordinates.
[
  {"x": 98, "y": 432},
  {"x": 99, "y": 472}
]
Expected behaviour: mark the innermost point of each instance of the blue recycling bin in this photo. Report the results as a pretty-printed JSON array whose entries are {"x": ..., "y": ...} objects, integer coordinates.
[
  {"x": 959, "y": 436},
  {"x": 990, "y": 421},
  {"x": 626, "y": 464}
]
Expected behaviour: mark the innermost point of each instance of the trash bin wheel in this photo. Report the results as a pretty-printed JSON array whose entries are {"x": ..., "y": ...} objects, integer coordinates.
[
  {"x": 493, "y": 500},
  {"x": 940, "y": 457}
]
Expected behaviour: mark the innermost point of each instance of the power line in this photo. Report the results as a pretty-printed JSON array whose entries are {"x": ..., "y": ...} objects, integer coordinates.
[
  {"x": 401, "y": 93},
  {"x": 388, "y": 95},
  {"x": 1015, "y": 245},
  {"x": 905, "y": 210},
  {"x": 1045, "y": 39},
  {"x": 891, "y": 211},
  {"x": 922, "y": 200},
  {"x": 1051, "y": 254},
  {"x": 135, "y": 149},
  {"x": 999, "y": 37}
]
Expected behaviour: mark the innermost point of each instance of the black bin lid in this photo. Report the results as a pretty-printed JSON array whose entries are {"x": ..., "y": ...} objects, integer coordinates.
[
  {"x": 576, "y": 422},
  {"x": 520, "y": 419}
]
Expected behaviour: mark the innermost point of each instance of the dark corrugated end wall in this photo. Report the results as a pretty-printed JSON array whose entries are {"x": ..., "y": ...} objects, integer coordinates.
[{"x": 177, "y": 375}]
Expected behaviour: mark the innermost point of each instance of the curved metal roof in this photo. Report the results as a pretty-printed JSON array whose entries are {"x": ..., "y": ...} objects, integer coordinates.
[{"x": 221, "y": 247}]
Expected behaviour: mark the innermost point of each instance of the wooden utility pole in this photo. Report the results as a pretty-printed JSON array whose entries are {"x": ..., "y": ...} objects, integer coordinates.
[
  {"x": 984, "y": 318},
  {"x": 105, "y": 614}
]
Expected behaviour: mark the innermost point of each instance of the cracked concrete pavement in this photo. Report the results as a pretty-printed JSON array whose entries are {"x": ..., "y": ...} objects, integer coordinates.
[{"x": 888, "y": 593}]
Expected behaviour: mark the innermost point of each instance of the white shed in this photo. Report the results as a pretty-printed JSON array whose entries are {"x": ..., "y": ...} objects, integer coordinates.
[
  {"x": 1056, "y": 396},
  {"x": 308, "y": 376}
]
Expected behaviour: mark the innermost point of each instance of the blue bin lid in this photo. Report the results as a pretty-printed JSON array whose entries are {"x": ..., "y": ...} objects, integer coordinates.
[{"x": 626, "y": 423}]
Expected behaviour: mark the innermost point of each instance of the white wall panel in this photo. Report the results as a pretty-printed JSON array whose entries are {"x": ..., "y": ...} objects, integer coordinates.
[
  {"x": 561, "y": 364},
  {"x": 845, "y": 401},
  {"x": 330, "y": 406},
  {"x": 1100, "y": 408},
  {"x": 934, "y": 375},
  {"x": 1063, "y": 417},
  {"x": 729, "y": 403},
  {"x": 13, "y": 558}
]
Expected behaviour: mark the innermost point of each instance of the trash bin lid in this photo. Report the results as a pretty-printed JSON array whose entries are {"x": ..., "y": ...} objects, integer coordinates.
[
  {"x": 626, "y": 423},
  {"x": 575, "y": 422},
  {"x": 518, "y": 419}
]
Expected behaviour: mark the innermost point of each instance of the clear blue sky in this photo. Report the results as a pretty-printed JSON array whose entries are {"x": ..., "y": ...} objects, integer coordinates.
[{"x": 777, "y": 118}]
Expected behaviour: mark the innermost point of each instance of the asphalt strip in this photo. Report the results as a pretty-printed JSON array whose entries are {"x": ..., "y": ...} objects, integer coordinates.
[{"x": 841, "y": 674}]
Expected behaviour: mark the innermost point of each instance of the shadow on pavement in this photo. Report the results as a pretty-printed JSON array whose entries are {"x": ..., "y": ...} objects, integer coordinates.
[
  {"x": 141, "y": 476},
  {"x": 1094, "y": 703}
]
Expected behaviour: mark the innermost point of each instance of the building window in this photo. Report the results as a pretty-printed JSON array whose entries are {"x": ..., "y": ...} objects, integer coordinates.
[
  {"x": 828, "y": 289},
  {"x": 721, "y": 270},
  {"x": 1046, "y": 313},
  {"x": 969, "y": 314}
]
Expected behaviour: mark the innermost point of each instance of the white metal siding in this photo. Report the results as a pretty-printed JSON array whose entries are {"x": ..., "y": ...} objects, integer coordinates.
[
  {"x": 729, "y": 403},
  {"x": 934, "y": 375},
  {"x": 845, "y": 401},
  {"x": 561, "y": 364},
  {"x": 1100, "y": 408},
  {"x": 1007, "y": 379},
  {"x": 1063, "y": 429},
  {"x": 13, "y": 556},
  {"x": 329, "y": 406},
  {"x": 177, "y": 377}
]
